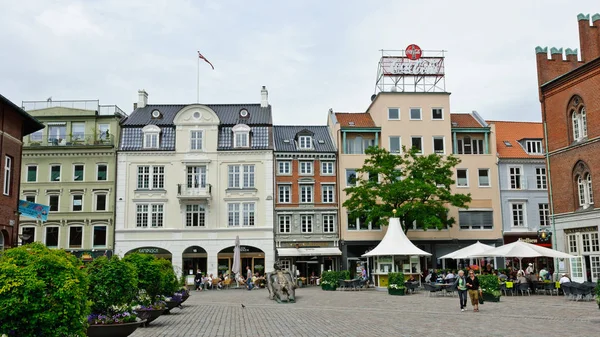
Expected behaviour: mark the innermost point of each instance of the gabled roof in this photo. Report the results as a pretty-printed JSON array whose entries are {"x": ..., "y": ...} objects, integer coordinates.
[
  {"x": 228, "y": 114},
  {"x": 355, "y": 120},
  {"x": 30, "y": 124},
  {"x": 322, "y": 141},
  {"x": 464, "y": 120},
  {"x": 513, "y": 133}
]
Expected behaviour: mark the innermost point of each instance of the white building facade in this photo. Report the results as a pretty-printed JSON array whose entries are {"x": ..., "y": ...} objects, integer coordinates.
[{"x": 191, "y": 178}]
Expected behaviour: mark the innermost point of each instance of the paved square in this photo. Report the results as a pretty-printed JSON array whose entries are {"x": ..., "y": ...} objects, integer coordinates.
[{"x": 371, "y": 313}]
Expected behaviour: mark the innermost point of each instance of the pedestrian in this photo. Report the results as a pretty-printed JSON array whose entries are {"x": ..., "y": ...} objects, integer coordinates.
[
  {"x": 473, "y": 288},
  {"x": 461, "y": 286}
]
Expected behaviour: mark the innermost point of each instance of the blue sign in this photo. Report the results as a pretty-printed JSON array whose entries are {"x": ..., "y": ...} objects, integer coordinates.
[{"x": 33, "y": 210}]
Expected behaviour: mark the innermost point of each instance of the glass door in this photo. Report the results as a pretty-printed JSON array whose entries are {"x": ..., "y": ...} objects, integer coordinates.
[
  {"x": 595, "y": 267},
  {"x": 577, "y": 269}
]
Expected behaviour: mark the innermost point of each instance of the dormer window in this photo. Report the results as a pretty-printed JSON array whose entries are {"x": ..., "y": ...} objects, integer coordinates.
[
  {"x": 151, "y": 137},
  {"x": 241, "y": 136},
  {"x": 534, "y": 146},
  {"x": 244, "y": 113},
  {"x": 305, "y": 142},
  {"x": 156, "y": 114}
]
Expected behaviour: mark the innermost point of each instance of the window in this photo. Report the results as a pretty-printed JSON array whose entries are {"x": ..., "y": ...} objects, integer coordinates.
[
  {"x": 393, "y": 113},
  {"x": 462, "y": 179},
  {"x": 102, "y": 172},
  {"x": 77, "y": 203},
  {"x": 514, "y": 177},
  {"x": 101, "y": 202},
  {"x": 151, "y": 140},
  {"x": 540, "y": 178},
  {"x": 78, "y": 172},
  {"x": 104, "y": 131},
  {"x": 305, "y": 142},
  {"x": 306, "y": 223},
  {"x": 152, "y": 212},
  {"x": 544, "y": 212},
  {"x": 395, "y": 144},
  {"x": 306, "y": 167},
  {"x": 196, "y": 177},
  {"x": 36, "y": 136},
  {"x": 284, "y": 194},
  {"x": 195, "y": 216},
  {"x": 284, "y": 167},
  {"x": 534, "y": 146},
  {"x": 77, "y": 131},
  {"x": 241, "y": 139},
  {"x": 585, "y": 190},
  {"x": 579, "y": 120},
  {"x": 285, "y": 223},
  {"x": 54, "y": 172},
  {"x": 246, "y": 218},
  {"x": 99, "y": 238},
  {"x": 415, "y": 113},
  {"x": 588, "y": 179},
  {"x": 437, "y": 114},
  {"x": 467, "y": 145},
  {"x": 7, "y": 174},
  {"x": 28, "y": 232},
  {"x": 417, "y": 143},
  {"x": 328, "y": 193},
  {"x": 484, "y": 177},
  {"x": 350, "y": 177},
  {"x": 438, "y": 145},
  {"x": 328, "y": 223},
  {"x": 327, "y": 168},
  {"x": 32, "y": 171},
  {"x": 53, "y": 203},
  {"x": 247, "y": 176},
  {"x": 360, "y": 222},
  {"x": 30, "y": 198},
  {"x": 572, "y": 238},
  {"x": 518, "y": 214},
  {"x": 476, "y": 219},
  {"x": 285, "y": 264},
  {"x": 52, "y": 237},
  {"x": 306, "y": 194},
  {"x": 57, "y": 134},
  {"x": 196, "y": 140},
  {"x": 373, "y": 177},
  {"x": 75, "y": 236},
  {"x": 146, "y": 181},
  {"x": 358, "y": 144}
]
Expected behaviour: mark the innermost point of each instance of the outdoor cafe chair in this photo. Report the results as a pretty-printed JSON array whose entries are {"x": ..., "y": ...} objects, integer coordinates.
[
  {"x": 430, "y": 289},
  {"x": 549, "y": 287},
  {"x": 566, "y": 288},
  {"x": 342, "y": 284},
  {"x": 451, "y": 290},
  {"x": 524, "y": 287}
]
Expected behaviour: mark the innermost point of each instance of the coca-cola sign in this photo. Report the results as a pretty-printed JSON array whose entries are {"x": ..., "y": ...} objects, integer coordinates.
[{"x": 424, "y": 66}]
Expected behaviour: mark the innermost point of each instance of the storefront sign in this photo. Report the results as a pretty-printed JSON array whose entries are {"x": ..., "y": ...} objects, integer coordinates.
[
  {"x": 581, "y": 230},
  {"x": 424, "y": 66},
  {"x": 151, "y": 250},
  {"x": 307, "y": 244},
  {"x": 533, "y": 239}
]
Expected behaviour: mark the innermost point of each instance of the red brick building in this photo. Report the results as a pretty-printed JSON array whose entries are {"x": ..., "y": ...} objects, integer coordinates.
[
  {"x": 570, "y": 102},
  {"x": 14, "y": 124}
]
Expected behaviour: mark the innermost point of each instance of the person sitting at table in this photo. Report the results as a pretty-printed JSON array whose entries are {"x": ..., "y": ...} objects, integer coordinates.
[
  {"x": 564, "y": 279},
  {"x": 521, "y": 279},
  {"x": 428, "y": 277},
  {"x": 543, "y": 274},
  {"x": 449, "y": 277},
  {"x": 411, "y": 279},
  {"x": 501, "y": 276}
]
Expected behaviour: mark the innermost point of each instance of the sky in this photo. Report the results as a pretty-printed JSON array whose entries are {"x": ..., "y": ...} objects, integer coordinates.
[{"x": 311, "y": 55}]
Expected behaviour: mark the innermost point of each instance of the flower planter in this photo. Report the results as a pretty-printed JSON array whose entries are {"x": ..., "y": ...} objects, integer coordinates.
[
  {"x": 185, "y": 297},
  {"x": 490, "y": 298},
  {"x": 396, "y": 292},
  {"x": 328, "y": 287},
  {"x": 171, "y": 305},
  {"x": 149, "y": 315},
  {"x": 113, "y": 330}
]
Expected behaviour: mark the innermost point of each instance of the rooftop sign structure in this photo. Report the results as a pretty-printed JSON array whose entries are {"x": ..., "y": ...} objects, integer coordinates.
[{"x": 411, "y": 70}]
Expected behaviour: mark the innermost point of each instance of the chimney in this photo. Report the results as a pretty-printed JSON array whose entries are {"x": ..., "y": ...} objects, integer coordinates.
[
  {"x": 134, "y": 106},
  {"x": 264, "y": 97},
  {"x": 142, "y": 98}
]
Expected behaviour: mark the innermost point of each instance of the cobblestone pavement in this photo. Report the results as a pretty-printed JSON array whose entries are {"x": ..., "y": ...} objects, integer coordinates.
[{"x": 371, "y": 313}]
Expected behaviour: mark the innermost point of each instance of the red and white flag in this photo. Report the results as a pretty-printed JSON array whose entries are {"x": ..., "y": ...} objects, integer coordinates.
[{"x": 205, "y": 60}]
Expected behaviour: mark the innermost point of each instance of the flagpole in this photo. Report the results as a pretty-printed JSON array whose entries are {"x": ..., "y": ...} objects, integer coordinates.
[{"x": 198, "y": 82}]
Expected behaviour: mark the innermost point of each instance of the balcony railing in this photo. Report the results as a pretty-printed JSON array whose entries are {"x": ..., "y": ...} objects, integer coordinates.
[
  {"x": 200, "y": 192},
  {"x": 93, "y": 105},
  {"x": 70, "y": 141}
]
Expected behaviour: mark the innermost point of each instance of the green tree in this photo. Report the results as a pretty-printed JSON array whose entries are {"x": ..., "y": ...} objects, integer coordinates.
[
  {"x": 148, "y": 273},
  {"x": 416, "y": 186},
  {"x": 113, "y": 282},
  {"x": 168, "y": 279}
]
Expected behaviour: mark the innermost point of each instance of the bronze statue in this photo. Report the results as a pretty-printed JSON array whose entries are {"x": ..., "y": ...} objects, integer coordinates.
[{"x": 281, "y": 283}]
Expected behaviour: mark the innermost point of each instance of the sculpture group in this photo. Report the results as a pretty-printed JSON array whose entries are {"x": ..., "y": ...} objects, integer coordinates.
[{"x": 281, "y": 284}]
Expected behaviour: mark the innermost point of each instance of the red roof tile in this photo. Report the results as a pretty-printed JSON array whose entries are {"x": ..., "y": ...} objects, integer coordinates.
[
  {"x": 464, "y": 120},
  {"x": 357, "y": 120},
  {"x": 513, "y": 132}
]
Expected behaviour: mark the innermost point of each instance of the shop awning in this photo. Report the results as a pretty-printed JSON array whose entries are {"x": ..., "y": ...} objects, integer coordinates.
[{"x": 326, "y": 251}]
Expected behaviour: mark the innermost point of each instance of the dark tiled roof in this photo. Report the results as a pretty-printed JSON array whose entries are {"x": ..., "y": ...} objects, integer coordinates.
[
  {"x": 464, "y": 120},
  {"x": 322, "y": 141},
  {"x": 259, "y": 138},
  {"x": 228, "y": 114},
  {"x": 132, "y": 139},
  {"x": 356, "y": 120}
]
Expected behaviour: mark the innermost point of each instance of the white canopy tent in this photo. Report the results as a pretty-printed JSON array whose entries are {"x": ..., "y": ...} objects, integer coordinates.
[
  {"x": 521, "y": 249},
  {"x": 468, "y": 252}
]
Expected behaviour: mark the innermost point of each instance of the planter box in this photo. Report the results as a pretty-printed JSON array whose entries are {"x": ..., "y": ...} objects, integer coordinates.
[
  {"x": 396, "y": 292},
  {"x": 490, "y": 298},
  {"x": 149, "y": 315},
  {"x": 328, "y": 287},
  {"x": 113, "y": 330}
]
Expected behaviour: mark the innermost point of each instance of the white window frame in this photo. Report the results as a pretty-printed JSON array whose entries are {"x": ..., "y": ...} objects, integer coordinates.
[
  {"x": 37, "y": 171},
  {"x": 306, "y": 192},
  {"x": 244, "y": 214},
  {"x": 307, "y": 223},
  {"x": 579, "y": 124},
  {"x": 358, "y": 226},
  {"x": 306, "y": 167},
  {"x": 544, "y": 214},
  {"x": 59, "y": 173},
  {"x": 443, "y": 139},
  {"x": 489, "y": 184},
  {"x": 155, "y": 178},
  {"x": 284, "y": 168},
  {"x": 241, "y": 136},
  {"x": 241, "y": 176},
  {"x": 420, "y": 114},
  {"x": 154, "y": 215},
  {"x": 541, "y": 181},
  {"x": 68, "y": 245},
  {"x": 518, "y": 178},
  {"x": 399, "y": 151},
  {"x": 467, "y": 177},
  {"x": 105, "y": 194},
  {"x": 421, "y": 150},
  {"x": 285, "y": 223},
  {"x": 285, "y": 191},
  {"x": 32, "y": 196},
  {"x": 348, "y": 184},
  {"x": 32, "y": 237},
  {"x": 98, "y": 171},
  {"x": 437, "y": 119},
  {"x": 73, "y": 202},
  {"x": 328, "y": 223},
  {"x": 83, "y": 172},
  {"x": 196, "y": 140},
  {"x": 515, "y": 208},
  {"x": 7, "y": 174},
  {"x": 534, "y": 147},
  {"x": 46, "y": 236},
  {"x": 189, "y": 213},
  {"x": 196, "y": 177},
  {"x": 305, "y": 142},
  {"x": 151, "y": 140},
  {"x": 105, "y": 236},
  {"x": 327, "y": 168},
  {"x": 328, "y": 193},
  {"x": 394, "y": 119}
]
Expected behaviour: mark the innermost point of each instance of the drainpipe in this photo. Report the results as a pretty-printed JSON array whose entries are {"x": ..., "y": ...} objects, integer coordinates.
[{"x": 550, "y": 199}]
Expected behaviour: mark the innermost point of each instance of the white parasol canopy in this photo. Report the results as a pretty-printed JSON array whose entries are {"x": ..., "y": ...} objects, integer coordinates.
[
  {"x": 236, "y": 265},
  {"x": 395, "y": 242},
  {"x": 521, "y": 249},
  {"x": 475, "y": 249}
]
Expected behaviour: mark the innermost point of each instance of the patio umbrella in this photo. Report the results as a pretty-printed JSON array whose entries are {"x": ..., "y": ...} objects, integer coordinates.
[
  {"x": 236, "y": 266},
  {"x": 520, "y": 249},
  {"x": 468, "y": 251}
]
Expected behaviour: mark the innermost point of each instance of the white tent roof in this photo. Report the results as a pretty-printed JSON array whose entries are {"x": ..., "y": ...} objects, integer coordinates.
[
  {"x": 523, "y": 249},
  {"x": 395, "y": 242},
  {"x": 477, "y": 248}
]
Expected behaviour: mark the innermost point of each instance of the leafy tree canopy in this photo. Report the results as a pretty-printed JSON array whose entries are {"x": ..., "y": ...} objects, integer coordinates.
[{"x": 416, "y": 186}]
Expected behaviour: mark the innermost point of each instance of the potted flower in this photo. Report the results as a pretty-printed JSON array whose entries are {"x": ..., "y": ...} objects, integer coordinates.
[
  {"x": 396, "y": 284},
  {"x": 490, "y": 288}
]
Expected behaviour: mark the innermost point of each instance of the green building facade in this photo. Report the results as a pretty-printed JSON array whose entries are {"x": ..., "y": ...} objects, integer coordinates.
[{"x": 70, "y": 166}]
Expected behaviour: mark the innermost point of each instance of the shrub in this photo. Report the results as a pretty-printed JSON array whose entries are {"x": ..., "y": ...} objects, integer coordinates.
[
  {"x": 345, "y": 275},
  {"x": 148, "y": 274},
  {"x": 113, "y": 283},
  {"x": 330, "y": 278},
  {"x": 42, "y": 293},
  {"x": 489, "y": 285},
  {"x": 396, "y": 280},
  {"x": 168, "y": 280}
]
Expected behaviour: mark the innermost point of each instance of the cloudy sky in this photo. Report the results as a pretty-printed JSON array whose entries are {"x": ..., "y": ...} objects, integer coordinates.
[{"x": 311, "y": 55}]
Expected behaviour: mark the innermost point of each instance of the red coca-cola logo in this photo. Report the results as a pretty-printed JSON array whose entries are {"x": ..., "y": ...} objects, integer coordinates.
[{"x": 413, "y": 52}]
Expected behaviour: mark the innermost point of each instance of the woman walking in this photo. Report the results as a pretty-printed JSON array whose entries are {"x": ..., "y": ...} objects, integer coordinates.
[
  {"x": 473, "y": 286},
  {"x": 461, "y": 286}
]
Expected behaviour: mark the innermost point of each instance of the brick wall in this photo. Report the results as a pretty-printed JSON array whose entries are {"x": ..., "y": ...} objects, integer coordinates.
[{"x": 295, "y": 189}]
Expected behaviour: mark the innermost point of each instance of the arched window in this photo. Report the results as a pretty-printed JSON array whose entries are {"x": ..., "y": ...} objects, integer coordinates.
[
  {"x": 582, "y": 178},
  {"x": 583, "y": 118},
  {"x": 581, "y": 191},
  {"x": 590, "y": 193},
  {"x": 576, "y": 134},
  {"x": 577, "y": 113}
]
